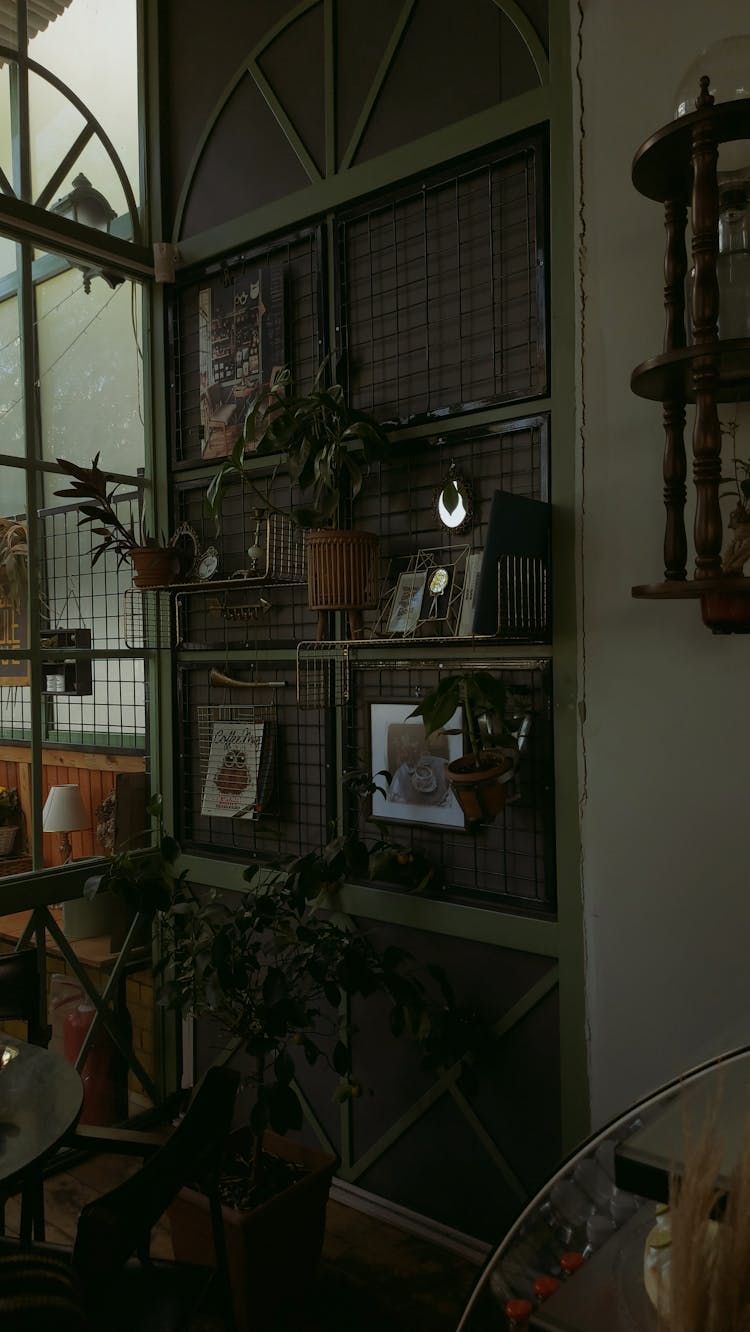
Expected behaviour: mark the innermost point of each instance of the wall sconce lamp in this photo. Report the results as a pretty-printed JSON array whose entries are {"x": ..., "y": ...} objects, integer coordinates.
[
  {"x": 88, "y": 207},
  {"x": 64, "y": 812}
]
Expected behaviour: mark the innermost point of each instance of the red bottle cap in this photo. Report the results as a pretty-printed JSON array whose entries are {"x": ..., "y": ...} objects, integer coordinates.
[
  {"x": 519, "y": 1311},
  {"x": 546, "y": 1286},
  {"x": 570, "y": 1262}
]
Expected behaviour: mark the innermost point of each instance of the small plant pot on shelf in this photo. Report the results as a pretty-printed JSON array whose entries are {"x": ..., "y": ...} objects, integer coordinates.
[
  {"x": 342, "y": 573},
  {"x": 481, "y": 791},
  {"x": 7, "y": 840},
  {"x": 155, "y": 566},
  {"x": 282, "y": 1235}
]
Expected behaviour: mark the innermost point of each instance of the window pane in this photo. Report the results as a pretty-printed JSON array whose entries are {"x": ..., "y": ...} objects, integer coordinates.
[
  {"x": 6, "y": 160},
  {"x": 90, "y": 369},
  {"x": 112, "y": 715},
  {"x": 92, "y": 48},
  {"x": 11, "y": 391},
  {"x": 14, "y": 673},
  {"x": 84, "y": 600},
  {"x": 7, "y": 266}
]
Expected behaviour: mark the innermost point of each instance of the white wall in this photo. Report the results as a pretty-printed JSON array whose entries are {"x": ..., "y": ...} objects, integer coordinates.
[{"x": 665, "y": 848}]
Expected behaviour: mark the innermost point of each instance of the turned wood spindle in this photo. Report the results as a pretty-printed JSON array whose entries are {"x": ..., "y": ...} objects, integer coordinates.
[
  {"x": 705, "y": 308},
  {"x": 675, "y": 459}
]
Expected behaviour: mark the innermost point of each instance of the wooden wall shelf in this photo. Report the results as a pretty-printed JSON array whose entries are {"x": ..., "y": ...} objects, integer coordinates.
[
  {"x": 678, "y": 167},
  {"x": 672, "y": 374},
  {"x": 692, "y": 588},
  {"x": 663, "y": 165}
]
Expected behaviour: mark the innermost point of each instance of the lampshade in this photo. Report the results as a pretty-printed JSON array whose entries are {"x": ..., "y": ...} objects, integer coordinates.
[{"x": 64, "y": 810}]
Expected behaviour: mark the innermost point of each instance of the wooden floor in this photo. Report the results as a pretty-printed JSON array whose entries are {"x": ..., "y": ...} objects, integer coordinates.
[{"x": 372, "y": 1277}]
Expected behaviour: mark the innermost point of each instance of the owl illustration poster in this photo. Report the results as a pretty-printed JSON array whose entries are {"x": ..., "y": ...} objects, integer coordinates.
[{"x": 231, "y": 787}]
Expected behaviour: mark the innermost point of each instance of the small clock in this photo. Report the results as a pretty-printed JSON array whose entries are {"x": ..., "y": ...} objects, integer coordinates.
[{"x": 207, "y": 564}]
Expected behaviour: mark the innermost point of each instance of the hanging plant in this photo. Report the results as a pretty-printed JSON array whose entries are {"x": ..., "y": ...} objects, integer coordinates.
[{"x": 14, "y": 551}]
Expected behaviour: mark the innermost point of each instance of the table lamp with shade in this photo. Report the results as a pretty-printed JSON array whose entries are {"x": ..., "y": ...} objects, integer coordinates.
[{"x": 64, "y": 812}]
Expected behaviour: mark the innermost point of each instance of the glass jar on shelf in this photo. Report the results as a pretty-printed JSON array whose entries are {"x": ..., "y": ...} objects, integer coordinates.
[{"x": 733, "y": 264}]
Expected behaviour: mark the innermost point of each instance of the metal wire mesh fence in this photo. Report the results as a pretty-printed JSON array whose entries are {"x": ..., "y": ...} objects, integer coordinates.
[{"x": 442, "y": 292}]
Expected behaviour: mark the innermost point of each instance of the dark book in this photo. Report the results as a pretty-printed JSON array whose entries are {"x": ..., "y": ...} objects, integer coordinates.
[
  {"x": 265, "y": 800},
  {"x": 511, "y": 597}
]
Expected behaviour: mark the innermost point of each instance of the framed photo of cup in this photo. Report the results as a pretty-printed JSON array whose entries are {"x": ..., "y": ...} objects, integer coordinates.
[{"x": 418, "y": 790}]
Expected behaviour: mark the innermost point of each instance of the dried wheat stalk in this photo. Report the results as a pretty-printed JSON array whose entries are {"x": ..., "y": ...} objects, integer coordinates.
[{"x": 709, "y": 1278}]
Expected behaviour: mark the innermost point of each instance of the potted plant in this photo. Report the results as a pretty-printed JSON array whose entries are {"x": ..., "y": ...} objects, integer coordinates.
[
  {"x": 95, "y": 491},
  {"x": 326, "y": 446},
  {"x": 140, "y": 881},
  {"x": 270, "y": 970},
  {"x": 383, "y": 859},
  {"x": 14, "y": 552},
  {"x": 480, "y": 777},
  {"x": 10, "y": 818}
]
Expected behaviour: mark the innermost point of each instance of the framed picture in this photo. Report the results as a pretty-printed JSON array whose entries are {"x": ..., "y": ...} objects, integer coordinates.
[
  {"x": 240, "y": 345},
  {"x": 230, "y": 789},
  {"x": 419, "y": 791},
  {"x": 407, "y": 602},
  {"x": 422, "y": 594}
]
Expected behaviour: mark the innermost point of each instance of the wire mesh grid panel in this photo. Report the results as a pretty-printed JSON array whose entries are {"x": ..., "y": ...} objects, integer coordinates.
[
  {"x": 293, "y": 772},
  {"x": 114, "y": 715},
  {"x": 508, "y": 862},
  {"x": 93, "y": 691},
  {"x": 15, "y": 710},
  {"x": 442, "y": 290},
  {"x": 400, "y": 503},
  {"x": 148, "y": 618},
  {"x": 212, "y": 378},
  {"x": 400, "y": 500},
  {"x": 323, "y": 675},
  {"x": 258, "y": 594},
  {"x": 76, "y": 595}
]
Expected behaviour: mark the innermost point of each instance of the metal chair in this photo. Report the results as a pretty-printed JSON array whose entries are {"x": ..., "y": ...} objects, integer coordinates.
[
  {"x": 121, "y": 1286},
  {"x": 38, "y": 1293},
  {"x": 21, "y": 994}
]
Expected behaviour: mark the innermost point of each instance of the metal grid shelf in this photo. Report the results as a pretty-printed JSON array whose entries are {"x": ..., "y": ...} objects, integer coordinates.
[{"x": 324, "y": 667}]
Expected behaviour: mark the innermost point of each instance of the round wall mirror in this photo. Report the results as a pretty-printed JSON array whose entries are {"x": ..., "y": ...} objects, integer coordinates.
[{"x": 453, "y": 503}]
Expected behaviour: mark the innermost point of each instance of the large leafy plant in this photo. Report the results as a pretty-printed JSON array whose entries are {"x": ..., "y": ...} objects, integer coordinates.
[
  {"x": 325, "y": 445},
  {"x": 271, "y": 968},
  {"x": 10, "y": 808}
]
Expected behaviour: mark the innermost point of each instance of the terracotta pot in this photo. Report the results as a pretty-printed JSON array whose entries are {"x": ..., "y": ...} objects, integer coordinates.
[
  {"x": 342, "y": 571},
  {"x": 272, "y": 1251},
  {"x": 155, "y": 566},
  {"x": 480, "y": 791},
  {"x": 726, "y": 612}
]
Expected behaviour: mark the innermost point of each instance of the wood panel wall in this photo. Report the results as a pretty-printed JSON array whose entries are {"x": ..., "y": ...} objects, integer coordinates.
[{"x": 94, "y": 774}]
